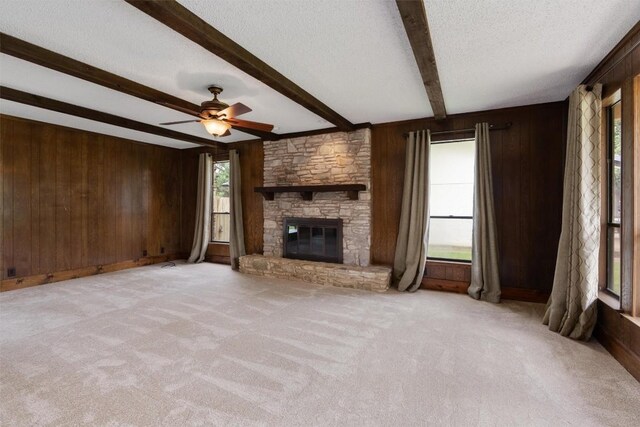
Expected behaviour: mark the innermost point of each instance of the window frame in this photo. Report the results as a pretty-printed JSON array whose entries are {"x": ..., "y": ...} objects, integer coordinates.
[
  {"x": 610, "y": 224},
  {"x": 213, "y": 212},
  {"x": 463, "y": 217}
]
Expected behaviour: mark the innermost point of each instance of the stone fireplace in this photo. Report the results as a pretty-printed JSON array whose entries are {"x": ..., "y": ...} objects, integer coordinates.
[{"x": 336, "y": 158}]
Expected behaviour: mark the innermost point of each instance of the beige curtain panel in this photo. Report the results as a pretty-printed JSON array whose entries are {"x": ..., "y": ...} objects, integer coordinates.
[
  {"x": 411, "y": 244},
  {"x": 202, "y": 232},
  {"x": 571, "y": 309},
  {"x": 485, "y": 277},
  {"x": 236, "y": 232}
]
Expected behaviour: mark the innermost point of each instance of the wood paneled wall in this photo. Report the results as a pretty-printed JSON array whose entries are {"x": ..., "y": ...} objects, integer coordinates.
[
  {"x": 252, "y": 172},
  {"x": 620, "y": 70},
  {"x": 528, "y": 162},
  {"x": 73, "y": 199}
]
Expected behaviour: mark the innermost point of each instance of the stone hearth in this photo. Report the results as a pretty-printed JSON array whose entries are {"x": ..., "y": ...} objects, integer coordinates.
[
  {"x": 372, "y": 278},
  {"x": 336, "y": 158}
]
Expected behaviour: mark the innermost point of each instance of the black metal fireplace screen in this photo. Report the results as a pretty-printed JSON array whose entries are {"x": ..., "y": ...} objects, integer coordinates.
[{"x": 313, "y": 239}]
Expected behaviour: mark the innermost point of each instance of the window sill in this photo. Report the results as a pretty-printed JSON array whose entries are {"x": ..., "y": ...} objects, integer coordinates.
[
  {"x": 219, "y": 243},
  {"x": 448, "y": 261},
  {"x": 609, "y": 300},
  {"x": 632, "y": 319}
]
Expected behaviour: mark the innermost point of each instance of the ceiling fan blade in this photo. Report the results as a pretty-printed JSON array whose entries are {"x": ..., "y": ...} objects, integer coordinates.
[
  {"x": 181, "y": 121},
  {"x": 179, "y": 108},
  {"x": 250, "y": 125},
  {"x": 234, "y": 110},
  {"x": 227, "y": 133}
]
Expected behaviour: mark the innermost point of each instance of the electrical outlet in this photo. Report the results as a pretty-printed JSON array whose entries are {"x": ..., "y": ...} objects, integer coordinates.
[
  {"x": 144, "y": 252},
  {"x": 161, "y": 250},
  {"x": 11, "y": 272}
]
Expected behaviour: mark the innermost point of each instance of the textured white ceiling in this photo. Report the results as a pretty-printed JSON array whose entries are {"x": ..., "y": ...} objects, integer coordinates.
[
  {"x": 62, "y": 87},
  {"x": 503, "y": 53},
  {"x": 352, "y": 55},
  {"x": 28, "y": 112},
  {"x": 117, "y": 37}
]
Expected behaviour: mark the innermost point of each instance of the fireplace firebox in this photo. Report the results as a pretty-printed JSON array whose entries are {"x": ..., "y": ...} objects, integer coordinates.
[{"x": 313, "y": 239}]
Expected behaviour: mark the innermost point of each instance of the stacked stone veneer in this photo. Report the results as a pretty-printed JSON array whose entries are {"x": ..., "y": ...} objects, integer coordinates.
[
  {"x": 372, "y": 278},
  {"x": 336, "y": 158}
]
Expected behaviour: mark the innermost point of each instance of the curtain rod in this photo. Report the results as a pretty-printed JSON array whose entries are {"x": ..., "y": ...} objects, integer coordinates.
[{"x": 444, "y": 132}]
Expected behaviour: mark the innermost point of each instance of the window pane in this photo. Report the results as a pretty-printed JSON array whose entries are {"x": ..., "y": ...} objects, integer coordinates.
[
  {"x": 331, "y": 240},
  {"x": 220, "y": 227},
  {"x": 613, "y": 273},
  {"x": 292, "y": 239},
  {"x": 317, "y": 241},
  {"x": 450, "y": 238},
  {"x": 304, "y": 239},
  {"x": 451, "y": 175},
  {"x": 616, "y": 161},
  {"x": 221, "y": 187},
  {"x": 220, "y": 202}
]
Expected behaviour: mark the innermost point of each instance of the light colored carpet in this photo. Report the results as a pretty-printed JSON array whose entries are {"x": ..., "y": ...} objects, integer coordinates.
[{"x": 202, "y": 345}]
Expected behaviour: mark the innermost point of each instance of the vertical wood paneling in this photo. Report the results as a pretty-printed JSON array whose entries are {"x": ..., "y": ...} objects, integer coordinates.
[
  {"x": 76, "y": 200},
  {"x": 62, "y": 202},
  {"x": 618, "y": 71},
  {"x": 252, "y": 172},
  {"x": 34, "y": 168},
  {"x": 527, "y": 162},
  {"x": 46, "y": 139},
  {"x": 252, "y": 175},
  {"x": 73, "y": 199},
  {"x": 3, "y": 169},
  {"x": 96, "y": 201},
  {"x": 8, "y": 171},
  {"x": 22, "y": 197}
]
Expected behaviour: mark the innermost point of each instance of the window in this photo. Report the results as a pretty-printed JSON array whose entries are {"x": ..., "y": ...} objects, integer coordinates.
[
  {"x": 614, "y": 192},
  {"x": 220, "y": 216},
  {"x": 451, "y": 200}
]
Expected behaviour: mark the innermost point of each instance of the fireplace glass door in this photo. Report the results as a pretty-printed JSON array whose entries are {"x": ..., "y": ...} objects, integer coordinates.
[{"x": 314, "y": 239}]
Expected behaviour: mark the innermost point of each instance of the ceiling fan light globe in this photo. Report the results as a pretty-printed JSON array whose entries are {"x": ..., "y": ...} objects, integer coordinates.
[{"x": 216, "y": 127}]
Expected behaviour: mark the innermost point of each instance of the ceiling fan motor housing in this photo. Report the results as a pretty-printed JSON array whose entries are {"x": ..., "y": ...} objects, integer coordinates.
[{"x": 211, "y": 108}]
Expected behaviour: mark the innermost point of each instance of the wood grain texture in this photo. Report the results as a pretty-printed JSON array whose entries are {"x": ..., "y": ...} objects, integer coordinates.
[
  {"x": 620, "y": 336},
  {"x": 182, "y": 20},
  {"x": 414, "y": 19},
  {"x": 528, "y": 162},
  {"x": 99, "y": 116},
  {"x": 620, "y": 70},
  {"x": 73, "y": 199},
  {"x": 43, "y": 279},
  {"x": 251, "y": 171},
  {"x": 29, "y": 52}
]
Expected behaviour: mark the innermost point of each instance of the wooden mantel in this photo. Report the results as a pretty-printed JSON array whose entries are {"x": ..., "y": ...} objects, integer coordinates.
[{"x": 307, "y": 190}]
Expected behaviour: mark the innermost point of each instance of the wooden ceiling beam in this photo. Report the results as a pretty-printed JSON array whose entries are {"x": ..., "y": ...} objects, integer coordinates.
[
  {"x": 75, "y": 110},
  {"x": 183, "y": 21},
  {"x": 13, "y": 46},
  {"x": 414, "y": 18}
]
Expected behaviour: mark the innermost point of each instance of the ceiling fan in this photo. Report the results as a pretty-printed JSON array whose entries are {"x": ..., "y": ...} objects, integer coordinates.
[{"x": 217, "y": 116}]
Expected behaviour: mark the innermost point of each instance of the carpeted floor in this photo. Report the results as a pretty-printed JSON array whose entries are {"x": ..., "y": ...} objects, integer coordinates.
[{"x": 202, "y": 345}]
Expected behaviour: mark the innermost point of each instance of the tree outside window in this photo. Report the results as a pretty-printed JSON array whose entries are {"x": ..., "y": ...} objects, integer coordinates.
[{"x": 220, "y": 205}]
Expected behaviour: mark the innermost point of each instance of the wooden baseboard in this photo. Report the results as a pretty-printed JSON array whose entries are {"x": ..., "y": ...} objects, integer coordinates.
[
  {"x": 525, "y": 295},
  {"x": 628, "y": 359},
  {"x": 444, "y": 285},
  {"x": 43, "y": 279},
  {"x": 218, "y": 259},
  {"x": 515, "y": 294}
]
